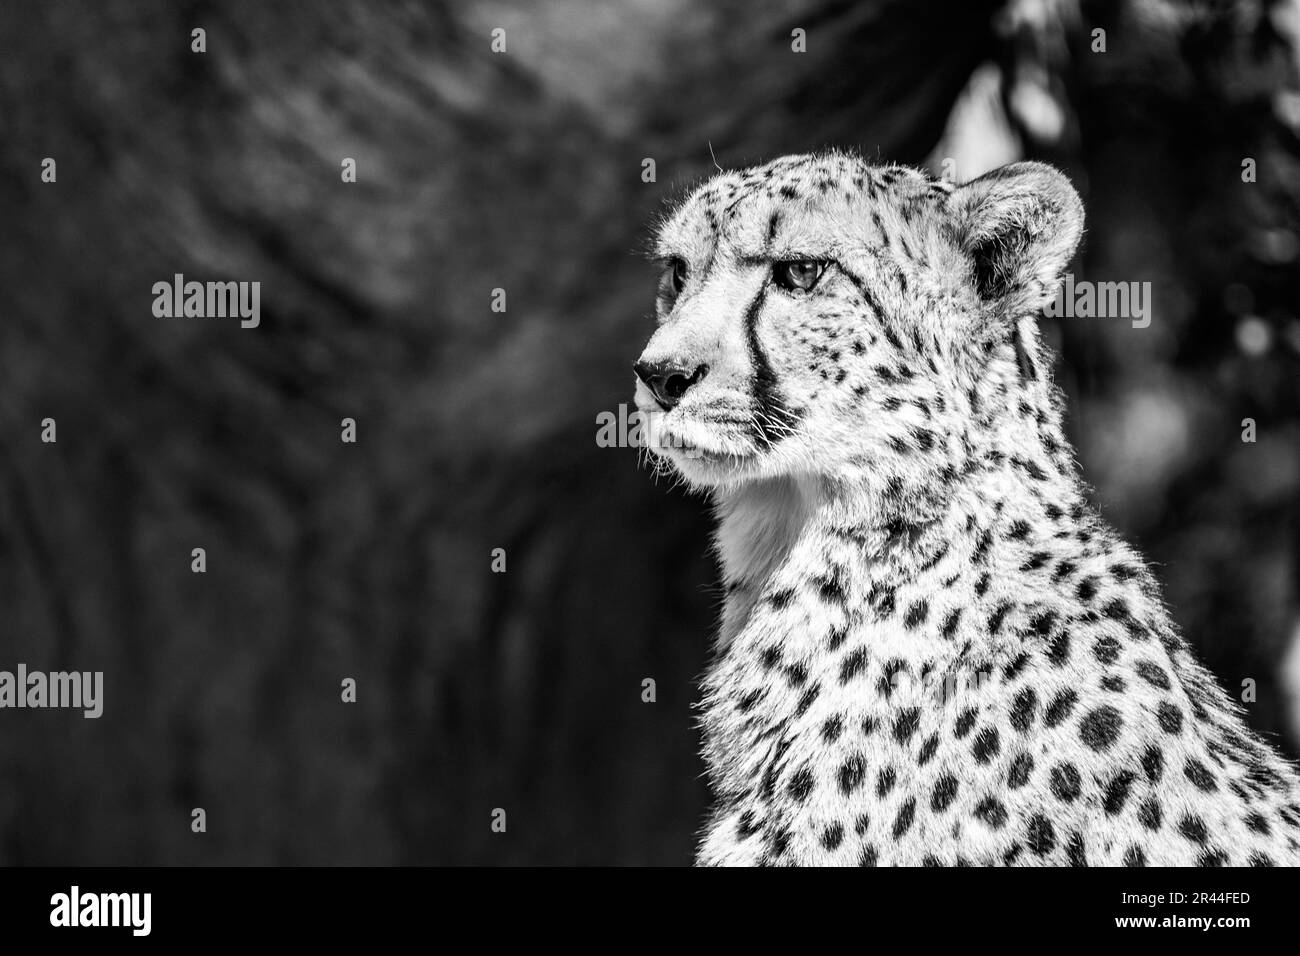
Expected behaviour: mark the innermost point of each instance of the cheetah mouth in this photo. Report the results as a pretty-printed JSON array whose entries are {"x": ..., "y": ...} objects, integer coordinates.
[
  {"x": 712, "y": 455},
  {"x": 706, "y": 441},
  {"x": 686, "y": 446}
]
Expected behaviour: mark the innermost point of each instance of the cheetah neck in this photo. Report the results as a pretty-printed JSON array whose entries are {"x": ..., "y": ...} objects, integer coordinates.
[{"x": 780, "y": 534}]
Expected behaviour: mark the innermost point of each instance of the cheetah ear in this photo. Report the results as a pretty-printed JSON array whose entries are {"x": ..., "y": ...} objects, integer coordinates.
[{"x": 1020, "y": 224}]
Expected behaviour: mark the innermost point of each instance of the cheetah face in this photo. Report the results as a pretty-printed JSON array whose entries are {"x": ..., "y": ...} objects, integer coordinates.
[{"x": 816, "y": 314}]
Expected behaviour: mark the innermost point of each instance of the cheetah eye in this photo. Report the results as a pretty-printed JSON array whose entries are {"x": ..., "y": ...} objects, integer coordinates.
[
  {"x": 678, "y": 278},
  {"x": 672, "y": 280},
  {"x": 674, "y": 277},
  {"x": 797, "y": 275}
]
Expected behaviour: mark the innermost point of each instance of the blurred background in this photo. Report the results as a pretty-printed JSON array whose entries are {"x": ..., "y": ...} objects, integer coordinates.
[{"x": 522, "y": 170}]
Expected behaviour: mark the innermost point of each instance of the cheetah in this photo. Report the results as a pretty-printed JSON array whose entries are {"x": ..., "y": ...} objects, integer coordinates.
[{"x": 932, "y": 650}]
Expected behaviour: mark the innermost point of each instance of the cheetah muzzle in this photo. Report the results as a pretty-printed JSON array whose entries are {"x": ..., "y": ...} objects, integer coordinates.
[{"x": 932, "y": 650}]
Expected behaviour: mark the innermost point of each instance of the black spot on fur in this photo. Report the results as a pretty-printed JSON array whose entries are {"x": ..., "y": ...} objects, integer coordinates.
[
  {"x": 854, "y": 663},
  {"x": 1134, "y": 856},
  {"x": 1065, "y": 782},
  {"x": 987, "y": 745},
  {"x": 1013, "y": 669},
  {"x": 1040, "y": 835},
  {"x": 903, "y": 822},
  {"x": 1036, "y": 560},
  {"x": 1024, "y": 363},
  {"x": 1193, "y": 828},
  {"x": 1106, "y": 649},
  {"x": 768, "y": 786},
  {"x": 906, "y": 723},
  {"x": 992, "y": 812},
  {"x": 928, "y": 750},
  {"x": 1149, "y": 814},
  {"x": 830, "y": 590},
  {"x": 916, "y": 615},
  {"x": 1263, "y": 776},
  {"x": 885, "y": 781},
  {"x": 1021, "y": 768},
  {"x": 998, "y": 616},
  {"x": 1117, "y": 610},
  {"x": 945, "y": 792},
  {"x": 801, "y": 784},
  {"x": 781, "y": 598},
  {"x": 950, "y": 623},
  {"x": 780, "y": 841},
  {"x": 851, "y": 773},
  {"x": 1040, "y": 625},
  {"x": 965, "y": 721},
  {"x": 1101, "y": 727},
  {"x": 1153, "y": 763},
  {"x": 833, "y": 836},
  {"x": 1058, "y": 651},
  {"x": 1153, "y": 674},
  {"x": 836, "y": 638},
  {"x": 1117, "y": 792},
  {"x": 882, "y": 599},
  {"x": 1022, "y": 710},
  {"x": 832, "y": 728},
  {"x": 1200, "y": 776},
  {"x": 1060, "y": 707},
  {"x": 1074, "y": 850}
]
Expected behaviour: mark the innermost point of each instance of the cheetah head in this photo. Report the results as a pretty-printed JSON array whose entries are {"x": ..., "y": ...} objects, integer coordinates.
[{"x": 820, "y": 316}]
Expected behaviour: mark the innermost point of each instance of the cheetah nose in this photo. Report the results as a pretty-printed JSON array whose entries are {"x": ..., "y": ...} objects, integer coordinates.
[{"x": 667, "y": 381}]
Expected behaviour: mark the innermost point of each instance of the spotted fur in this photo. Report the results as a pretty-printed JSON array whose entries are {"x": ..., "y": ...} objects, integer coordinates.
[{"x": 932, "y": 650}]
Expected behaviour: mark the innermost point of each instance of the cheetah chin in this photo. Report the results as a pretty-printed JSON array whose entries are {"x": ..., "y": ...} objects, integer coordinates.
[
  {"x": 932, "y": 651},
  {"x": 705, "y": 453}
]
